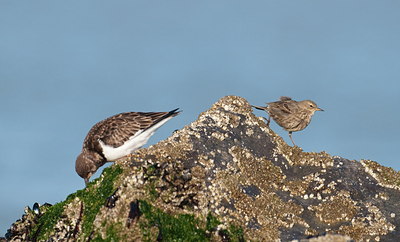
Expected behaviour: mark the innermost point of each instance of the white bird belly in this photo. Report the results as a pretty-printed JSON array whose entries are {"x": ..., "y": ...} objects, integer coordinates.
[{"x": 133, "y": 143}]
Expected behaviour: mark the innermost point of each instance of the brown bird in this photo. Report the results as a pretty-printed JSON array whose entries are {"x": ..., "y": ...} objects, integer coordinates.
[
  {"x": 116, "y": 137},
  {"x": 289, "y": 114}
]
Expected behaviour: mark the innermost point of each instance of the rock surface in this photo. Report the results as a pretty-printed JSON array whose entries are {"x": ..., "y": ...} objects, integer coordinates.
[{"x": 226, "y": 177}]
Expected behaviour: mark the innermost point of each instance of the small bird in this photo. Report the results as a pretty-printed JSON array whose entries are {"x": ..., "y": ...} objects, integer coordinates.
[
  {"x": 116, "y": 137},
  {"x": 289, "y": 114}
]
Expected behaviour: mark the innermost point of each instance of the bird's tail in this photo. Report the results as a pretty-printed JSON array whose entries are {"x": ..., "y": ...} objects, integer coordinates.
[
  {"x": 171, "y": 113},
  {"x": 259, "y": 107},
  {"x": 174, "y": 112},
  {"x": 164, "y": 116}
]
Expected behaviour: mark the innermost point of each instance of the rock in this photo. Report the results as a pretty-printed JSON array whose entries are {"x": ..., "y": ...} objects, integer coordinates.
[
  {"x": 328, "y": 238},
  {"x": 226, "y": 177}
]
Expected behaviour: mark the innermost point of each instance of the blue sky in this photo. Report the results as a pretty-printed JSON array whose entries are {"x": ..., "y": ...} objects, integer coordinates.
[{"x": 65, "y": 65}]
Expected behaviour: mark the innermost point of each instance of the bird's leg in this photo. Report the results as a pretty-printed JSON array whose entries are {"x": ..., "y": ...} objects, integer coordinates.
[
  {"x": 86, "y": 181},
  {"x": 268, "y": 120},
  {"x": 290, "y": 136}
]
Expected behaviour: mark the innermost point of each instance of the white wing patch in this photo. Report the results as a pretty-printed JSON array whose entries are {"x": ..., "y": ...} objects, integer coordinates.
[{"x": 133, "y": 143}]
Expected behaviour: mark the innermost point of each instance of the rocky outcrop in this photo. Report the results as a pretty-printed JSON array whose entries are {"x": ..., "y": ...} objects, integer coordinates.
[{"x": 226, "y": 177}]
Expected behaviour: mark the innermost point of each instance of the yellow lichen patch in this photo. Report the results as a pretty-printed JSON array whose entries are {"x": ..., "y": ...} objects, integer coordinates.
[
  {"x": 386, "y": 176},
  {"x": 249, "y": 132},
  {"x": 72, "y": 217},
  {"x": 174, "y": 148},
  {"x": 219, "y": 136},
  {"x": 198, "y": 172},
  {"x": 222, "y": 119},
  {"x": 224, "y": 113},
  {"x": 297, "y": 157},
  {"x": 263, "y": 214},
  {"x": 205, "y": 161},
  {"x": 234, "y": 104},
  {"x": 296, "y": 187},
  {"x": 368, "y": 227},
  {"x": 263, "y": 210},
  {"x": 295, "y": 154},
  {"x": 260, "y": 122},
  {"x": 339, "y": 208},
  {"x": 383, "y": 196},
  {"x": 299, "y": 187},
  {"x": 330, "y": 238},
  {"x": 311, "y": 232},
  {"x": 271, "y": 175}
]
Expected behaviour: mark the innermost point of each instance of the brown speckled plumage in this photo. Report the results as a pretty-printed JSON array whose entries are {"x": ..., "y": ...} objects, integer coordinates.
[
  {"x": 291, "y": 115},
  {"x": 113, "y": 131}
]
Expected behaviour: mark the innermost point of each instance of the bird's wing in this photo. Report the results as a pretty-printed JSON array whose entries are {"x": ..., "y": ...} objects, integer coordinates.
[
  {"x": 114, "y": 131},
  {"x": 128, "y": 125},
  {"x": 285, "y": 98},
  {"x": 285, "y": 107},
  {"x": 279, "y": 107}
]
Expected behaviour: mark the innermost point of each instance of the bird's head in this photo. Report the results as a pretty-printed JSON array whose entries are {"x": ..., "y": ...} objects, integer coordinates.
[
  {"x": 310, "y": 106},
  {"x": 85, "y": 164}
]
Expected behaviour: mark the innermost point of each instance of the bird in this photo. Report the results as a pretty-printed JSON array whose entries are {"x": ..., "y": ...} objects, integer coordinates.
[
  {"x": 116, "y": 137},
  {"x": 291, "y": 115}
]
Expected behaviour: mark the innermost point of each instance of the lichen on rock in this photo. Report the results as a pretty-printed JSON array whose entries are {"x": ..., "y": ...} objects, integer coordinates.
[{"x": 226, "y": 177}]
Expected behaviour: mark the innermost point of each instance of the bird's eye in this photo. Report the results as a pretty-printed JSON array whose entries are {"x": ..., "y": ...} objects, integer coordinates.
[{"x": 311, "y": 106}]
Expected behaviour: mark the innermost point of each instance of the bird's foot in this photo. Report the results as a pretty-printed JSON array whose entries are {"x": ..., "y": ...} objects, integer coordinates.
[{"x": 268, "y": 121}]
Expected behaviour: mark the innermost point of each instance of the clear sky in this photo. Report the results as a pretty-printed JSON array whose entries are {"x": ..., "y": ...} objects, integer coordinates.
[{"x": 65, "y": 65}]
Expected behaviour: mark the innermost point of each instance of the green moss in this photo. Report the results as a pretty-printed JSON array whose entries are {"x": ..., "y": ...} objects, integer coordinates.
[
  {"x": 212, "y": 222},
  {"x": 112, "y": 234},
  {"x": 155, "y": 223},
  {"x": 150, "y": 171},
  {"x": 236, "y": 233},
  {"x": 93, "y": 198},
  {"x": 151, "y": 188},
  {"x": 181, "y": 227},
  {"x": 47, "y": 222},
  {"x": 152, "y": 176}
]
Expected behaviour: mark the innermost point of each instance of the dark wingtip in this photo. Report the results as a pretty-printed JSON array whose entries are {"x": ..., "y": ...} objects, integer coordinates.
[{"x": 176, "y": 111}]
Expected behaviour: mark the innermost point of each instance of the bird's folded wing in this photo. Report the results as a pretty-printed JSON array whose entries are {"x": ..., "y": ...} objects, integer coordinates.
[
  {"x": 284, "y": 98},
  {"x": 127, "y": 125}
]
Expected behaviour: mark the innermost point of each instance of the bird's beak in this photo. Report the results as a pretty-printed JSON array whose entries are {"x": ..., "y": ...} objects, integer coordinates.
[{"x": 320, "y": 109}]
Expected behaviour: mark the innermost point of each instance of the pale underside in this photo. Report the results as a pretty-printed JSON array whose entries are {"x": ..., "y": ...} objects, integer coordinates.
[{"x": 133, "y": 143}]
